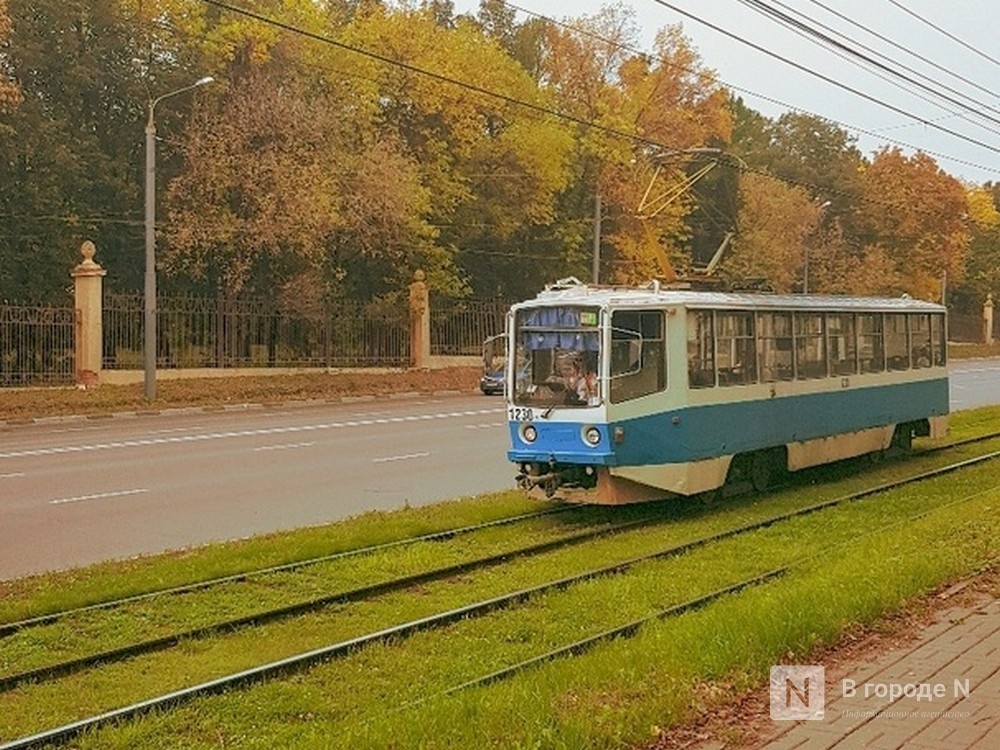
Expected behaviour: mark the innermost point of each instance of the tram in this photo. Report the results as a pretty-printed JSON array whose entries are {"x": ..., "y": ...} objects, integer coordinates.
[{"x": 636, "y": 394}]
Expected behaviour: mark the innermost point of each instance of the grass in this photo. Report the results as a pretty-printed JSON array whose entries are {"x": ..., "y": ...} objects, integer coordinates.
[
  {"x": 343, "y": 699},
  {"x": 848, "y": 568}
]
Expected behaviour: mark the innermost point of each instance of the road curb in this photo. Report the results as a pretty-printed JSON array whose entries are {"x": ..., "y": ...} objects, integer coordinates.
[{"x": 226, "y": 408}]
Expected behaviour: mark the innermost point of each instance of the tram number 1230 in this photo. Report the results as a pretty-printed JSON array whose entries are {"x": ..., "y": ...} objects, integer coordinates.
[{"x": 519, "y": 414}]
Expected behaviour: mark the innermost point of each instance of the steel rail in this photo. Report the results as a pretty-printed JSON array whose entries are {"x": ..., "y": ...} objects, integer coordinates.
[
  {"x": 435, "y": 536},
  {"x": 11, "y": 627},
  {"x": 629, "y": 629},
  {"x": 345, "y": 648},
  {"x": 72, "y": 666}
]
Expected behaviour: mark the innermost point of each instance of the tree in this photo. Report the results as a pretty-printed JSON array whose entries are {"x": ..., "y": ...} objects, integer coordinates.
[
  {"x": 915, "y": 213},
  {"x": 10, "y": 93},
  {"x": 70, "y": 159},
  {"x": 666, "y": 101},
  {"x": 983, "y": 269},
  {"x": 493, "y": 167},
  {"x": 775, "y": 221}
]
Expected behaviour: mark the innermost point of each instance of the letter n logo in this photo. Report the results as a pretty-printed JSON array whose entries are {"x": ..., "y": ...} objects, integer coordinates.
[{"x": 798, "y": 692}]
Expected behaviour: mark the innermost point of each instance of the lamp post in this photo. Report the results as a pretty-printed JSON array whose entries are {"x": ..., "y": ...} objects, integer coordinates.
[
  {"x": 805, "y": 269},
  {"x": 149, "y": 302}
]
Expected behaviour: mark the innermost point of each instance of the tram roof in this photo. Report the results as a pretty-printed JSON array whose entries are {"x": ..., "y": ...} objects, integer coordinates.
[{"x": 654, "y": 295}]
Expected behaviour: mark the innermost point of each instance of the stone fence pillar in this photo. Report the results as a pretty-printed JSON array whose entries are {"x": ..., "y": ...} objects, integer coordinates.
[
  {"x": 988, "y": 319},
  {"x": 420, "y": 322},
  {"x": 88, "y": 282}
]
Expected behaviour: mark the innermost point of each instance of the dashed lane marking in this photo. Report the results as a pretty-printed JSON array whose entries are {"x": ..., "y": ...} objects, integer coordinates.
[
  {"x": 180, "y": 439},
  {"x": 96, "y": 496},
  {"x": 404, "y": 457}
]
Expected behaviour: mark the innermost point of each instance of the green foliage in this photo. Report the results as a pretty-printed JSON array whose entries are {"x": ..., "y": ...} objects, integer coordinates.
[{"x": 313, "y": 170}]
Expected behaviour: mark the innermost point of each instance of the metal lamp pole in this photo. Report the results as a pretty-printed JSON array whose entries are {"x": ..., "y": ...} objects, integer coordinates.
[{"x": 149, "y": 302}]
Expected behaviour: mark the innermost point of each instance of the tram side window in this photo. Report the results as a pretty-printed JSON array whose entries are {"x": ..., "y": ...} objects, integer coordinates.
[
  {"x": 775, "y": 333},
  {"x": 871, "y": 353},
  {"x": 735, "y": 348},
  {"x": 920, "y": 340},
  {"x": 638, "y": 354},
  {"x": 939, "y": 347},
  {"x": 810, "y": 353},
  {"x": 700, "y": 349},
  {"x": 841, "y": 344},
  {"x": 897, "y": 352}
]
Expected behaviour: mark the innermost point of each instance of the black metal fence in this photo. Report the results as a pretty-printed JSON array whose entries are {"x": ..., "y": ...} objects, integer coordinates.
[
  {"x": 207, "y": 332},
  {"x": 460, "y": 327},
  {"x": 969, "y": 328},
  {"x": 36, "y": 345}
]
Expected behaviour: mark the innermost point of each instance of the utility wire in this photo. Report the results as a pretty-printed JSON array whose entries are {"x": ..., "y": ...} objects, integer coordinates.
[
  {"x": 724, "y": 159},
  {"x": 801, "y": 26},
  {"x": 828, "y": 79},
  {"x": 436, "y": 76},
  {"x": 945, "y": 32},
  {"x": 757, "y": 95},
  {"x": 903, "y": 48}
]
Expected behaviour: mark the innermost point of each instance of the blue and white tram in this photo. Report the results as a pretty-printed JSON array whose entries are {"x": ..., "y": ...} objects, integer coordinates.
[{"x": 642, "y": 393}]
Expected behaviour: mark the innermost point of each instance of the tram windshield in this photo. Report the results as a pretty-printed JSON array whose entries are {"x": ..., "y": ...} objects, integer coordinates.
[{"x": 557, "y": 353}]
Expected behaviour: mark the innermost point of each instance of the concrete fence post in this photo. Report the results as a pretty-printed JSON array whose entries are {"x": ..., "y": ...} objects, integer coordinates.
[
  {"x": 420, "y": 322},
  {"x": 88, "y": 283},
  {"x": 988, "y": 319}
]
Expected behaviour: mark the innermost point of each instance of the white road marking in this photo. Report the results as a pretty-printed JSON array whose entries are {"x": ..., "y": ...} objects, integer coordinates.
[
  {"x": 98, "y": 496},
  {"x": 179, "y": 439},
  {"x": 399, "y": 458},
  {"x": 484, "y": 426},
  {"x": 13, "y": 475},
  {"x": 286, "y": 446}
]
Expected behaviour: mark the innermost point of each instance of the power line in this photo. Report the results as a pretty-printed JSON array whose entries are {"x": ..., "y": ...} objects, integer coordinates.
[
  {"x": 757, "y": 95},
  {"x": 803, "y": 28},
  {"x": 945, "y": 32},
  {"x": 826, "y": 78},
  {"x": 724, "y": 159},
  {"x": 903, "y": 48},
  {"x": 431, "y": 74}
]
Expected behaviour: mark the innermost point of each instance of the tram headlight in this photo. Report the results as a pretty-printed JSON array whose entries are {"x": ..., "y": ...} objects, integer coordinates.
[
  {"x": 591, "y": 436},
  {"x": 528, "y": 433}
]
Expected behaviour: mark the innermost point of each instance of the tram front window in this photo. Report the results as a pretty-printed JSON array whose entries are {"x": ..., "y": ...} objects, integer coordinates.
[{"x": 558, "y": 355}]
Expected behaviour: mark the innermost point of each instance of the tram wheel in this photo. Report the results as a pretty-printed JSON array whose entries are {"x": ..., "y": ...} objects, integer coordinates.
[{"x": 764, "y": 469}]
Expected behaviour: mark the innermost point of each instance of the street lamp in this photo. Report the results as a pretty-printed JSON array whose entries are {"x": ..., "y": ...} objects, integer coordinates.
[
  {"x": 149, "y": 304},
  {"x": 805, "y": 270}
]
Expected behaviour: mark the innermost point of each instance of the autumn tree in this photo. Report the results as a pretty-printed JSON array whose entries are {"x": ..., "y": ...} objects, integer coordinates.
[
  {"x": 493, "y": 166},
  {"x": 983, "y": 269},
  {"x": 666, "y": 102},
  {"x": 10, "y": 93},
  {"x": 775, "y": 222},
  {"x": 914, "y": 214}
]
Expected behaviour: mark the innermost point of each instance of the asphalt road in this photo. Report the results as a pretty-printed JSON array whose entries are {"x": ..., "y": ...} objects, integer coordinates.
[
  {"x": 77, "y": 492},
  {"x": 73, "y": 492}
]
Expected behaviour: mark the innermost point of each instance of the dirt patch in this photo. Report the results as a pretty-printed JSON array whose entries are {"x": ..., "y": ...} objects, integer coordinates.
[{"x": 33, "y": 403}]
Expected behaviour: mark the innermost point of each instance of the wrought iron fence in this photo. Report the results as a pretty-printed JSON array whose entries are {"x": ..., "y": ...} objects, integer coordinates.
[
  {"x": 215, "y": 332},
  {"x": 37, "y": 345},
  {"x": 968, "y": 328},
  {"x": 460, "y": 327}
]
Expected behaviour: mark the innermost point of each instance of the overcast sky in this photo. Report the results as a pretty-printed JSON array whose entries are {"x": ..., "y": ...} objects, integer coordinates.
[{"x": 915, "y": 123}]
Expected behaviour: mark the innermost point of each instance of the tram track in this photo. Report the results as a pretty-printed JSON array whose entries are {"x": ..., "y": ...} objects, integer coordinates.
[
  {"x": 356, "y": 594},
  {"x": 8, "y": 628},
  {"x": 344, "y": 648},
  {"x": 436, "y": 536},
  {"x": 360, "y": 593}
]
